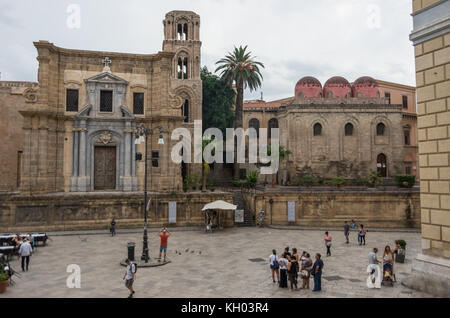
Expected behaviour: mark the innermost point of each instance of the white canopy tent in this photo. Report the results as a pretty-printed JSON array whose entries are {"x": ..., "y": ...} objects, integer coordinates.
[
  {"x": 217, "y": 209},
  {"x": 219, "y": 205}
]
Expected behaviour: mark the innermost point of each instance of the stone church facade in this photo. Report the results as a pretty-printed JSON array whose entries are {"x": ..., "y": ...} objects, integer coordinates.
[
  {"x": 75, "y": 129},
  {"x": 339, "y": 129}
]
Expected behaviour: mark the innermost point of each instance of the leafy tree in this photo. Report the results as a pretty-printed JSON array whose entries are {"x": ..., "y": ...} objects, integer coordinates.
[
  {"x": 218, "y": 101},
  {"x": 240, "y": 68}
]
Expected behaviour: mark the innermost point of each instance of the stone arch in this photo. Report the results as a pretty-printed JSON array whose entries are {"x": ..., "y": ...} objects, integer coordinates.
[
  {"x": 320, "y": 121},
  {"x": 254, "y": 123},
  {"x": 381, "y": 120},
  {"x": 181, "y": 64},
  {"x": 272, "y": 123},
  {"x": 188, "y": 96}
]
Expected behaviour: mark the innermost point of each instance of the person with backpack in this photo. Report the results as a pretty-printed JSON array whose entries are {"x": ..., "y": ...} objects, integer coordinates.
[
  {"x": 130, "y": 276},
  {"x": 274, "y": 266}
]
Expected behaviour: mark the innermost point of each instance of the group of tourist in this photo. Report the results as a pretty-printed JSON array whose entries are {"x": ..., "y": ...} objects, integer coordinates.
[{"x": 289, "y": 266}]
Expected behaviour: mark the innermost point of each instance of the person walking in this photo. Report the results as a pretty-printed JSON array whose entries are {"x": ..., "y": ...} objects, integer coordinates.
[
  {"x": 346, "y": 232},
  {"x": 306, "y": 270},
  {"x": 317, "y": 273},
  {"x": 164, "y": 235},
  {"x": 373, "y": 269},
  {"x": 25, "y": 251},
  {"x": 112, "y": 227},
  {"x": 328, "y": 243},
  {"x": 362, "y": 235},
  {"x": 130, "y": 276},
  {"x": 283, "y": 261},
  {"x": 274, "y": 266}
]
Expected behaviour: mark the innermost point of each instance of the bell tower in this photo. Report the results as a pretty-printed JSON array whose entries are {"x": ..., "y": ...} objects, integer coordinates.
[{"x": 182, "y": 37}]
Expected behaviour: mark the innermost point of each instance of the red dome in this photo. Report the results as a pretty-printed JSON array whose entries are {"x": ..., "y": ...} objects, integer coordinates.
[
  {"x": 308, "y": 87},
  {"x": 338, "y": 86},
  {"x": 366, "y": 87}
]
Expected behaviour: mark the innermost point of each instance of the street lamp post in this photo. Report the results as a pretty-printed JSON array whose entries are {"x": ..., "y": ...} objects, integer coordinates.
[{"x": 143, "y": 132}]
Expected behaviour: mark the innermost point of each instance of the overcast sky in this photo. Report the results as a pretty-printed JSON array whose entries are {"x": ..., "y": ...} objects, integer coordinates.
[{"x": 293, "y": 38}]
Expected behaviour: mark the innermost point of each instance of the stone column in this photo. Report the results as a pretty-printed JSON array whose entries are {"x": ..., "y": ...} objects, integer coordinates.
[
  {"x": 82, "y": 153},
  {"x": 127, "y": 154},
  {"x": 431, "y": 38},
  {"x": 75, "y": 154}
]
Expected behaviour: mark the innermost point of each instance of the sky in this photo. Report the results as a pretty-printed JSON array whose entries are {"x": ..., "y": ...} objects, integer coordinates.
[{"x": 293, "y": 38}]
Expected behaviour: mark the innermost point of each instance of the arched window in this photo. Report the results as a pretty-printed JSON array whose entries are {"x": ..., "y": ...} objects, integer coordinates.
[
  {"x": 381, "y": 129},
  {"x": 349, "y": 129},
  {"x": 273, "y": 123},
  {"x": 186, "y": 110},
  {"x": 254, "y": 123},
  {"x": 179, "y": 32},
  {"x": 185, "y": 68},
  {"x": 185, "y": 32},
  {"x": 407, "y": 137},
  {"x": 182, "y": 68},
  {"x": 317, "y": 129}
]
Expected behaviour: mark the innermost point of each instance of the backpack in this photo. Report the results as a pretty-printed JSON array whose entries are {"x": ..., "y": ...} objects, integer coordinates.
[{"x": 275, "y": 264}]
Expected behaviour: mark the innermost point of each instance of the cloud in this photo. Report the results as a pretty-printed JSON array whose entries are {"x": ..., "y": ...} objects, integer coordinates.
[{"x": 292, "y": 38}]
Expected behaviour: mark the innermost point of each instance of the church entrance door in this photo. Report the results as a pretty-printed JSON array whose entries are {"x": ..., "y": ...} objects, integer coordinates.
[
  {"x": 382, "y": 165},
  {"x": 104, "y": 168}
]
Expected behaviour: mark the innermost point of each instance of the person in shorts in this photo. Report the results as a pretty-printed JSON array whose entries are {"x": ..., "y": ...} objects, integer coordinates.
[
  {"x": 129, "y": 277},
  {"x": 164, "y": 235},
  {"x": 346, "y": 231}
]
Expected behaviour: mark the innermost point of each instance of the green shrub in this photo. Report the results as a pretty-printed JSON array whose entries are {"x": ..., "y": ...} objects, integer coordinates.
[
  {"x": 252, "y": 179},
  {"x": 308, "y": 180},
  {"x": 238, "y": 183},
  {"x": 373, "y": 179},
  {"x": 335, "y": 182},
  {"x": 405, "y": 180}
]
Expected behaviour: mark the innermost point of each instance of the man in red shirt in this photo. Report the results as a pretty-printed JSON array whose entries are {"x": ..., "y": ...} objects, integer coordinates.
[{"x": 164, "y": 235}]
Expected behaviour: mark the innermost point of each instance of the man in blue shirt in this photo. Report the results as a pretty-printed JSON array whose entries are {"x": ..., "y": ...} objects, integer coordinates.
[
  {"x": 346, "y": 231},
  {"x": 317, "y": 273}
]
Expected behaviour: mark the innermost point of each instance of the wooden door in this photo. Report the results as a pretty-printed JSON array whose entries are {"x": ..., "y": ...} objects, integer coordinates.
[{"x": 105, "y": 168}]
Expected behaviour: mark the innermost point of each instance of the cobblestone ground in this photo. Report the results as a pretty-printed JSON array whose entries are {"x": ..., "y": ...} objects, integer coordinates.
[{"x": 210, "y": 265}]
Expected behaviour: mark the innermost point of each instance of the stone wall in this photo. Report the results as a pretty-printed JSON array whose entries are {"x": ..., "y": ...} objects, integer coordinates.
[
  {"x": 87, "y": 211},
  {"x": 13, "y": 95},
  {"x": 371, "y": 207},
  {"x": 433, "y": 97}
]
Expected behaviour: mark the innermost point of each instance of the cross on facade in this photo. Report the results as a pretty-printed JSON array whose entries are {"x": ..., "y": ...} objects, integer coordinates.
[{"x": 106, "y": 61}]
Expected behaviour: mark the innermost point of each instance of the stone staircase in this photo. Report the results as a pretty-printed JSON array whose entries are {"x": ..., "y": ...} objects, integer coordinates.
[{"x": 238, "y": 200}]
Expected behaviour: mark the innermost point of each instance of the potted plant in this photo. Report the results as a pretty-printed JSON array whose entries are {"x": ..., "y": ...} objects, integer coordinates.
[
  {"x": 401, "y": 251},
  {"x": 4, "y": 280}
]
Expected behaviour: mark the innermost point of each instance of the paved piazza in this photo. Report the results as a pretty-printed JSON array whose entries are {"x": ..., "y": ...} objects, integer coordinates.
[{"x": 210, "y": 265}]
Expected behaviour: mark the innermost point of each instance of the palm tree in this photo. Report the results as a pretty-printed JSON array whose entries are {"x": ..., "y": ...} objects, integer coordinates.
[{"x": 240, "y": 67}]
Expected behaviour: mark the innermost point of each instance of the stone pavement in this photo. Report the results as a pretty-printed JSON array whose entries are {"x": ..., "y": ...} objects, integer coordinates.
[{"x": 207, "y": 265}]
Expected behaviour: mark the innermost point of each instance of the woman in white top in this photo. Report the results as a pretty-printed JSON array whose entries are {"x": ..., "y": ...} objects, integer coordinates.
[{"x": 274, "y": 266}]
